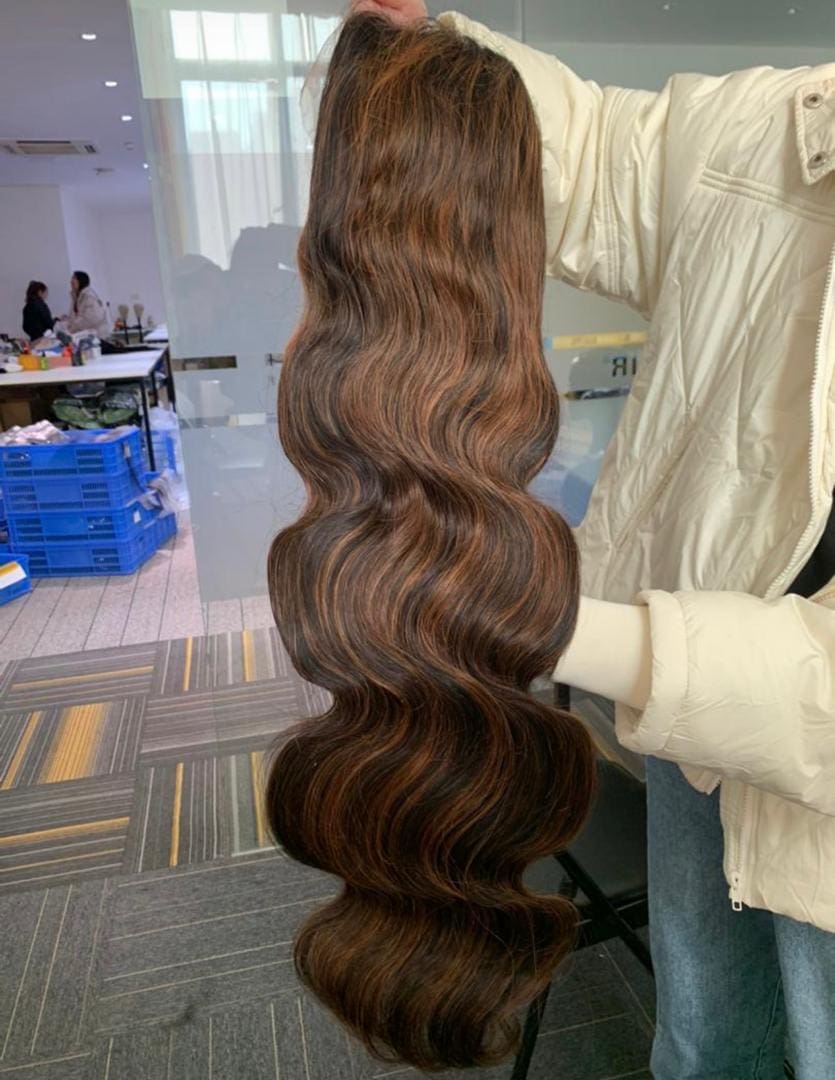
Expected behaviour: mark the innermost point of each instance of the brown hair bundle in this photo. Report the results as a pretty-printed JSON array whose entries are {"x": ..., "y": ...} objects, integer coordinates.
[{"x": 423, "y": 586}]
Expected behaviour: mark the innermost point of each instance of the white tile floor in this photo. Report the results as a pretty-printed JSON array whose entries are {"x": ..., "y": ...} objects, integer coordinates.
[{"x": 160, "y": 602}]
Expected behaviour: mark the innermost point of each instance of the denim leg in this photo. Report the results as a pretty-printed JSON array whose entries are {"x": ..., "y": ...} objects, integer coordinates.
[
  {"x": 721, "y": 1014},
  {"x": 807, "y": 961}
]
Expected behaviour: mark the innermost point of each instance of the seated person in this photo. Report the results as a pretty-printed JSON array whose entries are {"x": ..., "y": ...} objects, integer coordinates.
[{"x": 37, "y": 318}]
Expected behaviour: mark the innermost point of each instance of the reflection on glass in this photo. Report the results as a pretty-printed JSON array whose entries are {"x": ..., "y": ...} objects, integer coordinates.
[
  {"x": 221, "y": 35},
  {"x": 304, "y": 36},
  {"x": 233, "y": 139}
]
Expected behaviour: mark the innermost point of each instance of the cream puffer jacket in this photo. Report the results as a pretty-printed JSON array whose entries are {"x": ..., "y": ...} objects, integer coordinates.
[
  {"x": 88, "y": 313},
  {"x": 710, "y": 207}
]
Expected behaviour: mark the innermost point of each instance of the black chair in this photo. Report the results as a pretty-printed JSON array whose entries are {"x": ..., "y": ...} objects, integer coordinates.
[{"x": 605, "y": 874}]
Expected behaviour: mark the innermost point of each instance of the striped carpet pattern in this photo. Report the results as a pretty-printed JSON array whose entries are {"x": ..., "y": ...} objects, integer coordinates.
[
  {"x": 140, "y": 758},
  {"x": 146, "y": 920}
]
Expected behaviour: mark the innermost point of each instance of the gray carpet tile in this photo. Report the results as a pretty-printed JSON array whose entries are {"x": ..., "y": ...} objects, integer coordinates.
[
  {"x": 58, "y": 833},
  {"x": 42, "y": 746},
  {"x": 600, "y": 1050},
  {"x": 197, "y": 809},
  {"x": 586, "y": 988},
  {"x": 639, "y": 981},
  {"x": 285, "y": 1037},
  {"x": 228, "y": 659},
  {"x": 253, "y": 715},
  {"x": 48, "y": 965},
  {"x": 185, "y": 941},
  {"x": 179, "y": 725},
  {"x": 80, "y": 1066},
  {"x": 80, "y": 678},
  {"x": 147, "y": 921},
  {"x": 227, "y": 718}
]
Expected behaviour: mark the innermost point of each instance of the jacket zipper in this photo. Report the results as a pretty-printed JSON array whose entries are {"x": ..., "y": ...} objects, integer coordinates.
[
  {"x": 793, "y": 569},
  {"x": 740, "y": 843},
  {"x": 742, "y": 823}
]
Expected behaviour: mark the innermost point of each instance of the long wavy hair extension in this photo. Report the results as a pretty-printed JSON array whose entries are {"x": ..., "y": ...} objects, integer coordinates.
[{"x": 423, "y": 586}]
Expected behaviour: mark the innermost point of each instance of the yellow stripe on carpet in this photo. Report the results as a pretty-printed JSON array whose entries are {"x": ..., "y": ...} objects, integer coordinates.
[
  {"x": 249, "y": 656},
  {"x": 187, "y": 664},
  {"x": 175, "y": 816},
  {"x": 255, "y": 764},
  {"x": 60, "y": 859},
  {"x": 20, "y": 752},
  {"x": 73, "y": 751},
  {"x": 64, "y": 679},
  {"x": 61, "y": 832}
]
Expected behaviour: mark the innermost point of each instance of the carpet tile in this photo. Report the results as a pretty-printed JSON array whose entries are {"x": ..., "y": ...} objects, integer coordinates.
[
  {"x": 147, "y": 920},
  {"x": 47, "y": 971},
  {"x": 195, "y": 939},
  {"x": 80, "y": 679},
  {"x": 58, "y": 833},
  {"x": 46, "y": 746}
]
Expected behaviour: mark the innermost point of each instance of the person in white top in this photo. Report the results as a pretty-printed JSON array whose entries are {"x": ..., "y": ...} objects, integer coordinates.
[
  {"x": 87, "y": 311},
  {"x": 708, "y": 577}
]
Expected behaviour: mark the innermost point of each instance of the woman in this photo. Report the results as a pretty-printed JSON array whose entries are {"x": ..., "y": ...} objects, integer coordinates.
[
  {"x": 37, "y": 318},
  {"x": 88, "y": 312},
  {"x": 710, "y": 207},
  {"x": 423, "y": 586}
]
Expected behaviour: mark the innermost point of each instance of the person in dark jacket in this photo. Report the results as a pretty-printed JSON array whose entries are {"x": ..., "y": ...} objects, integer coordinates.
[{"x": 37, "y": 318}]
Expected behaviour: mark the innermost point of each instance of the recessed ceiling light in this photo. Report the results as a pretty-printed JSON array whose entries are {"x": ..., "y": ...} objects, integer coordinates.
[
  {"x": 144, "y": 164},
  {"x": 126, "y": 118},
  {"x": 793, "y": 11},
  {"x": 89, "y": 37},
  {"x": 110, "y": 82}
]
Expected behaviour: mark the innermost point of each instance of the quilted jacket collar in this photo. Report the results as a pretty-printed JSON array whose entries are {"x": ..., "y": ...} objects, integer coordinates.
[{"x": 815, "y": 117}]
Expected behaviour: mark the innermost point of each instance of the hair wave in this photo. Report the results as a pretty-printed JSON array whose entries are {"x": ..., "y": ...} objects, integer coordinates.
[{"x": 423, "y": 586}]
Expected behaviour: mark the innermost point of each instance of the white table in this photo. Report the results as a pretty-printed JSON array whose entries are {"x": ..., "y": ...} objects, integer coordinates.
[
  {"x": 133, "y": 368},
  {"x": 130, "y": 366},
  {"x": 158, "y": 336}
]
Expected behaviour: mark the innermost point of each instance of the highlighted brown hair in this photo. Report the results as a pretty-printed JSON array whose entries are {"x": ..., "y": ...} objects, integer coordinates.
[{"x": 422, "y": 586}]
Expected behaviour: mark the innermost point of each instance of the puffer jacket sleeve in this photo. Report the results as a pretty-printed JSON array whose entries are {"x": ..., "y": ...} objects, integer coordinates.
[
  {"x": 604, "y": 171},
  {"x": 744, "y": 688}
]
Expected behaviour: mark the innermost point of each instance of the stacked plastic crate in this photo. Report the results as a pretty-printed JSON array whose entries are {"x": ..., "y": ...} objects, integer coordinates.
[{"x": 83, "y": 507}]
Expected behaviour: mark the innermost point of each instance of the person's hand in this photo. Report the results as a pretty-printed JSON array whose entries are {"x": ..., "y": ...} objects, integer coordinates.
[{"x": 399, "y": 11}]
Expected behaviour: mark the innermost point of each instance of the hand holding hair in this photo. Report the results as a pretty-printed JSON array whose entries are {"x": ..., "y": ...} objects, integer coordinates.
[{"x": 401, "y": 12}]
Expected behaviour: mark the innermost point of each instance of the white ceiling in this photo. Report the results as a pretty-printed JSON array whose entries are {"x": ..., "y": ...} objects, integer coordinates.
[
  {"x": 51, "y": 87},
  {"x": 51, "y": 80}
]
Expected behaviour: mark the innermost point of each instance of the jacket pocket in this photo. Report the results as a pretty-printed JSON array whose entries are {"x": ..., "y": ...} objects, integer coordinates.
[{"x": 656, "y": 490}]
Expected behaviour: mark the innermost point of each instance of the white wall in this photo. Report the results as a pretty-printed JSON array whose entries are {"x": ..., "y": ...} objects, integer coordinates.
[
  {"x": 32, "y": 246},
  {"x": 81, "y": 228},
  {"x": 128, "y": 249},
  {"x": 117, "y": 247}
]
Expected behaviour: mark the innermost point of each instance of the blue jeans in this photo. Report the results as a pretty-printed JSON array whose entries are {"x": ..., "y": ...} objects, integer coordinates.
[{"x": 733, "y": 988}]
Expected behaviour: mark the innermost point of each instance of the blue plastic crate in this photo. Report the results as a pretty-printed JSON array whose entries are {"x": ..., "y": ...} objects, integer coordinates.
[
  {"x": 49, "y": 526},
  {"x": 74, "y": 494},
  {"x": 166, "y": 527},
  {"x": 20, "y": 588},
  {"x": 81, "y": 456},
  {"x": 94, "y": 559},
  {"x": 165, "y": 451}
]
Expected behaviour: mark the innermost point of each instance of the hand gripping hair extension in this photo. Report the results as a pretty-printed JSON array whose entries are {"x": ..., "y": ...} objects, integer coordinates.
[{"x": 423, "y": 586}]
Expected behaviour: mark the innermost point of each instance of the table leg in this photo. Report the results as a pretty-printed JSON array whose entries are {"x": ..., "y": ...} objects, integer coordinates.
[
  {"x": 169, "y": 375},
  {"x": 147, "y": 418}
]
